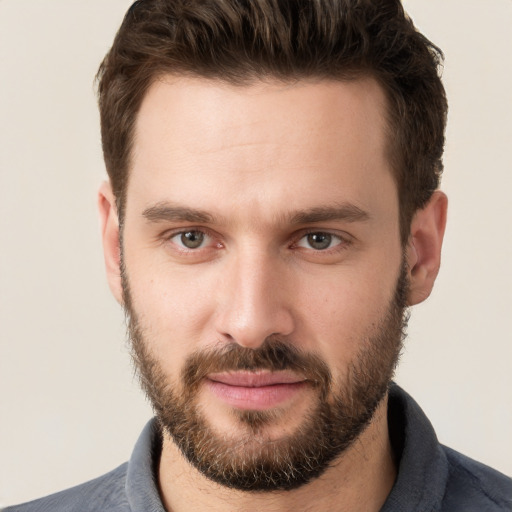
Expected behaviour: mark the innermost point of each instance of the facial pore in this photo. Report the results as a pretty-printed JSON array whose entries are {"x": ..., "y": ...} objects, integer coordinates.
[{"x": 250, "y": 460}]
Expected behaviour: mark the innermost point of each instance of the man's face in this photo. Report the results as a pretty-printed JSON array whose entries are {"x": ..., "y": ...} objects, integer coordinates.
[{"x": 263, "y": 271}]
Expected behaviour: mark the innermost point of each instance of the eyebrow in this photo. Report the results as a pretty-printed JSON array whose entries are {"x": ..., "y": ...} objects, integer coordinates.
[
  {"x": 346, "y": 212},
  {"x": 166, "y": 212},
  {"x": 162, "y": 212}
]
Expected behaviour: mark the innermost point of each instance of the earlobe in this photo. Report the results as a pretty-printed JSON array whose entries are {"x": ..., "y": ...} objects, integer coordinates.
[
  {"x": 424, "y": 247},
  {"x": 109, "y": 223}
]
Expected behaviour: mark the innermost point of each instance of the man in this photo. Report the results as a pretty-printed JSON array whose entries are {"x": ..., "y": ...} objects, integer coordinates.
[{"x": 273, "y": 208}]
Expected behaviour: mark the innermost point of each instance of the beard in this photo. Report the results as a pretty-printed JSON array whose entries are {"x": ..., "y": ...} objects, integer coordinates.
[{"x": 251, "y": 460}]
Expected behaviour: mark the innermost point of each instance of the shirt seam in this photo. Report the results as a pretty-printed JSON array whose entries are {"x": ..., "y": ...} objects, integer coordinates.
[{"x": 475, "y": 481}]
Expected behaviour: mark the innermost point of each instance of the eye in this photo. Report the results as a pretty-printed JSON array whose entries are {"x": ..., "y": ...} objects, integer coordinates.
[
  {"x": 319, "y": 241},
  {"x": 192, "y": 239}
]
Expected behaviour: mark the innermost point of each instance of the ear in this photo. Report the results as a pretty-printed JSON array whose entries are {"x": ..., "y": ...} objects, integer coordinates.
[
  {"x": 424, "y": 247},
  {"x": 109, "y": 223}
]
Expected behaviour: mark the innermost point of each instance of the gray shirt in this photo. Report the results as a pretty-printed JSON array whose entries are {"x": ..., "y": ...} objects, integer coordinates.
[{"x": 431, "y": 477}]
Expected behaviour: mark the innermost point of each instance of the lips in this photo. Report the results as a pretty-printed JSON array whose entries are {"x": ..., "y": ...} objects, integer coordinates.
[
  {"x": 255, "y": 379},
  {"x": 255, "y": 390}
]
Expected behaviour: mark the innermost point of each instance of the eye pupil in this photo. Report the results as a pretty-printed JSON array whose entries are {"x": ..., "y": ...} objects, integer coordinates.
[
  {"x": 192, "y": 239},
  {"x": 319, "y": 241}
]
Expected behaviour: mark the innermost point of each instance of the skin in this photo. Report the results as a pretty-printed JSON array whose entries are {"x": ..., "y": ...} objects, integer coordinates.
[{"x": 254, "y": 158}]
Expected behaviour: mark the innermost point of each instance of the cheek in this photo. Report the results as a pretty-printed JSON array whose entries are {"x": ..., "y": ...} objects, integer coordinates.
[
  {"x": 344, "y": 309},
  {"x": 172, "y": 308}
]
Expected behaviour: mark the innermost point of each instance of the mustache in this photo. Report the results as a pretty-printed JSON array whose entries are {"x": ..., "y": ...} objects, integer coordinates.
[{"x": 273, "y": 355}]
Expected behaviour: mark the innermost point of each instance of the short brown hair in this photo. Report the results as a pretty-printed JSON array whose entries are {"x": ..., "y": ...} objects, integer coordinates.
[{"x": 240, "y": 41}]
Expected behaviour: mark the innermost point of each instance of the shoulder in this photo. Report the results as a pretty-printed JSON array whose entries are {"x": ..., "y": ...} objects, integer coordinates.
[
  {"x": 473, "y": 486},
  {"x": 106, "y": 493}
]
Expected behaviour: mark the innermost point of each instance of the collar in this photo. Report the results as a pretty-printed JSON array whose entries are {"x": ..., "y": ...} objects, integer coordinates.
[{"x": 422, "y": 464}]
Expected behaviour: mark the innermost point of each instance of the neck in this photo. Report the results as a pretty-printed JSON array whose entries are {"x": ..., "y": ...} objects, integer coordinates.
[{"x": 359, "y": 480}]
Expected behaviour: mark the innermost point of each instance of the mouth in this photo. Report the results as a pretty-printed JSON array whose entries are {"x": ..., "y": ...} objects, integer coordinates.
[{"x": 261, "y": 390}]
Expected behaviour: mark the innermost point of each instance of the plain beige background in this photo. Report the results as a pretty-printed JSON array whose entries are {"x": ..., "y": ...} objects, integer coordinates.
[{"x": 70, "y": 408}]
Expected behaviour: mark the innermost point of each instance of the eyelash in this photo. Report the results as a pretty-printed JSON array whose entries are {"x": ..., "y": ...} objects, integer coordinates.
[
  {"x": 170, "y": 235},
  {"x": 344, "y": 241}
]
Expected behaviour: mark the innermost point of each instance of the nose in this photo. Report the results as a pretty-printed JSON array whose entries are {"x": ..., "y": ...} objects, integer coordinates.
[{"x": 254, "y": 300}]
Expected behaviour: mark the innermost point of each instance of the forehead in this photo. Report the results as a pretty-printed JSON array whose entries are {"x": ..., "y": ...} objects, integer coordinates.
[
  {"x": 222, "y": 109},
  {"x": 261, "y": 144}
]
